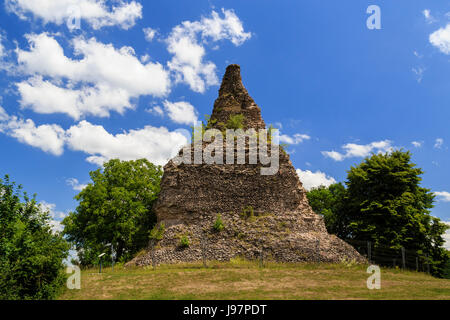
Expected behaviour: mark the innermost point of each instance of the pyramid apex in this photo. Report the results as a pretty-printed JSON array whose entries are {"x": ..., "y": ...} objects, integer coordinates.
[
  {"x": 234, "y": 99},
  {"x": 232, "y": 81}
]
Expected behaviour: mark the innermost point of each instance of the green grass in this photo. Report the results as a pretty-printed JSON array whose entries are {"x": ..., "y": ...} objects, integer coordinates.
[{"x": 239, "y": 279}]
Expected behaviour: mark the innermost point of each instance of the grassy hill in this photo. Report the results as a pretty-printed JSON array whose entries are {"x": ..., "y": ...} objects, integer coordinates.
[{"x": 246, "y": 280}]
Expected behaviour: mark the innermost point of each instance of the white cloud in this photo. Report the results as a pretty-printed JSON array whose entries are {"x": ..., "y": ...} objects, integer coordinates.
[
  {"x": 417, "y": 144},
  {"x": 360, "y": 151},
  {"x": 428, "y": 17},
  {"x": 75, "y": 184},
  {"x": 181, "y": 112},
  {"x": 295, "y": 139},
  {"x": 186, "y": 42},
  {"x": 314, "y": 179},
  {"x": 157, "y": 110},
  {"x": 48, "y": 138},
  {"x": 334, "y": 155},
  {"x": 6, "y": 63},
  {"x": 443, "y": 196},
  {"x": 441, "y": 39},
  {"x": 145, "y": 58},
  {"x": 158, "y": 145},
  {"x": 104, "y": 79},
  {"x": 149, "y": 33},
  {"x": 418, "y": 55},
  {"x": 438, "y": 144},
  {"x": 56, "y": 216},
  {"x": 418, "y": 72},
  {"x": 2, "y": 48},
  {"x": 3, "y": 116},
  {"x": 94, "y": 12},
  {"x": 278, "y": 125}
]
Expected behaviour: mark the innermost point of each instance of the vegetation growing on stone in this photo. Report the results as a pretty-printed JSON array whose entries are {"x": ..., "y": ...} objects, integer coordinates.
[
  {"x": 218, "y": 224},
  {"x": 235, "y": 122},
  {"x": 157, "y": 232},
  {"x": 184, "y": 241},
  {"x": 247, "y": 213}
]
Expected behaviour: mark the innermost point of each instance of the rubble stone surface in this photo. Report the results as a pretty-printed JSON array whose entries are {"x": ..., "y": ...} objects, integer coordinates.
[{"x": 260, "y": 213}]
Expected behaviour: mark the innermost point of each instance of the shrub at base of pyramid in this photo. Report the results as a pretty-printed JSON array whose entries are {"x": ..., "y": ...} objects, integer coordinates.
[{"x": 222, "y": 211}]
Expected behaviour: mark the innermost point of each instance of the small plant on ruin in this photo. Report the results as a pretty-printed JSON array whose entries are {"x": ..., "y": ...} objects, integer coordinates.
[
  {"x": 247, "y": 213},
  {"x": 157, "y": 232},
  {"x": 184, "y": 241},
  {"x": 209, "y": 122},
  {"x": 235, "y": 122},
  {"x": 241, "y": 235},
  {"x": 218, "y": 224}
]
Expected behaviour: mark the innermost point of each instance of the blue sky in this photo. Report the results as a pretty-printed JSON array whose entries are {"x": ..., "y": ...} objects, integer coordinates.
[{"x": 134, "y": 73}]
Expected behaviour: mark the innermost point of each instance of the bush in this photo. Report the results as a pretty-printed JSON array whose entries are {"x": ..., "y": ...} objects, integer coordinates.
[
  {"x": 218, "y": 224},
  {"x": 184, "y": 241},
  {"x": 157, "y": 232},
  {"x": 235, "y": 122},
  {"x": 247, "y": 213},
  {"x": 31, "y": 253}
]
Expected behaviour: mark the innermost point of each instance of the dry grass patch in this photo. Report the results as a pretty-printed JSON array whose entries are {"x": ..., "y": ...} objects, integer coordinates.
[{"x": 239, "y": 279}]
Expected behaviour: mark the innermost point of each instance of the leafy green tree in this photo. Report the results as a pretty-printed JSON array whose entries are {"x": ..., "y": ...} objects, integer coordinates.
[
  {"x": 329, "y": 202},
  {"x": 385, "y": 204},
  {"x": 115, "y": 209},
  {"x": 31, "y": 254},
  {"x": 446, "y": 269}
]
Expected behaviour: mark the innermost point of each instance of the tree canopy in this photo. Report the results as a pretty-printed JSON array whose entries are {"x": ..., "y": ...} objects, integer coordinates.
[
  {"x": 31, "y": 254},
  {"x": 384, "y": 203},
  {"x": 114, "y": 209}
]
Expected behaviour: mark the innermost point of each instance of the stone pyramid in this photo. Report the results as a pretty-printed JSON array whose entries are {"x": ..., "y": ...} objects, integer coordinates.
[{"x": 260, "y": 213}]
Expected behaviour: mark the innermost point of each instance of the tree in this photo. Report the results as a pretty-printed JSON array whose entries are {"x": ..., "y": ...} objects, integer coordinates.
[
  {"x": 385, "y": 204},
  {"x": 31, "y": 254},
  {"x": 329, "y": 202},
  {"x": 115, "y": 209}
]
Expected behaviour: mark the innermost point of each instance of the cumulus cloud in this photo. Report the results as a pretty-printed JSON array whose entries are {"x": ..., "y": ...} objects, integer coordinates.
[
  {"x": 417, "y": 144},
  {"x": 443, "y": 196},
  {"x": 2, "y": 48},
  {"x": 314, "y": 179},
  {"x": 149, "y": 34},
  {"x": 295, "y": 139},
  {"x": 156, "y": 110},
  {"x": 56, "y": 216},
  {"x": 104, "y": 79},
  {"x": 75, "y": 184},
  {"x": 438, "y": 144},
  {"x": 158, "y": 145},
  {"x": 441, "y": 39},
  {"x": 6, "y": 62},
  {"x": 47, "y": 137},
  {"x": 186, "y": 44},
  {"x": 357, "y": 150},
  {"x": 181, "y": 112},
  {"x": 3, "y": 116},
  {"x": 95, "y": 12}
]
